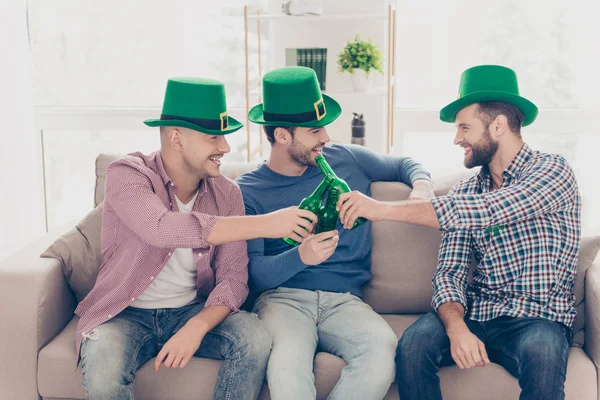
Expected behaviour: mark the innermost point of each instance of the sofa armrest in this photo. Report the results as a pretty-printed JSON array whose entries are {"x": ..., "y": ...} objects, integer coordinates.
[
  {"x": 592, "y": 315},
  {"x": 36, "y": 304}
]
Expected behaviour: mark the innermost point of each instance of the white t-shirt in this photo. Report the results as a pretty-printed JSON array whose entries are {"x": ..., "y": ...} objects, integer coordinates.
[{"x": 175, "y": 285}]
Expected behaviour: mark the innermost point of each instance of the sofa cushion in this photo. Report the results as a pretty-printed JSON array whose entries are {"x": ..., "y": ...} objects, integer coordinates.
[
  {"x": 79, "y": 253},
  {"x": 230, "y": 169},
  {"x": 57, "y": 377},
  {"x": 588, "y": 250}
]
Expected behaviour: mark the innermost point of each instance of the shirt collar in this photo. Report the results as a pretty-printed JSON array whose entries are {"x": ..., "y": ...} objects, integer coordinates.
[
  {"x": 511, "y": 171},
  {"x": 161, "y": 169}
]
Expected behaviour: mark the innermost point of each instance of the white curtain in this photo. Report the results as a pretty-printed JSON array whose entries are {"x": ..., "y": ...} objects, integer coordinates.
[{"x": 22, "y": 215}]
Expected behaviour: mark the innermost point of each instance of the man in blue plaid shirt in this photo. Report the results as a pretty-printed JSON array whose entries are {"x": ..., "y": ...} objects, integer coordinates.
[{"x": 520, "y": 218}]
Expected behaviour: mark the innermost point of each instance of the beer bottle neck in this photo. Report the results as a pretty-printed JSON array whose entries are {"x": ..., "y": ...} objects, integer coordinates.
[
  {"x": 324, "y": 167},
  {"x": 322, "y": 188}
]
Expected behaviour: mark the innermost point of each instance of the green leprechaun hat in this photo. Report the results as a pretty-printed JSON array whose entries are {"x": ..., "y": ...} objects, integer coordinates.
[
  {"x": 489, "y": 83},
  {"x": 292, "y": 97},
  {"x": 198, "y": 104}
]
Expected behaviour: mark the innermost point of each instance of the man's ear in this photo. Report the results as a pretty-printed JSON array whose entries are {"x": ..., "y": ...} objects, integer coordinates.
[
  {"x": 175, "y": 138},
  {"x": 499, "y": 127},
  {"x": 282, "y": 136}
]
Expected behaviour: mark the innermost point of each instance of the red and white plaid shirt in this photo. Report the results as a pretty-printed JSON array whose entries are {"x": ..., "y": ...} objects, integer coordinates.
[{"x": 141, "y": 227}]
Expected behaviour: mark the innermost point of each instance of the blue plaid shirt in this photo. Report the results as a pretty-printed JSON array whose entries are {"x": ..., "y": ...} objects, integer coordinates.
[{"x": 524, "y": 236}]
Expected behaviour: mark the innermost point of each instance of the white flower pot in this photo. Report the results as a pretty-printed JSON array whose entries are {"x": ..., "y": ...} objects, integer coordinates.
[{"x": 360, "y": 81}]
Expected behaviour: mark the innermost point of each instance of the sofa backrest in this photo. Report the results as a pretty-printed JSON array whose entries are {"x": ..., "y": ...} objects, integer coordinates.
[{"x": 404, "y": 256}]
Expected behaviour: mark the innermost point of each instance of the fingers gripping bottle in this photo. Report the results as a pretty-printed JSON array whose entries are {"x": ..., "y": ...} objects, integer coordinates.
[
  {"x": 328, "y": 215},
  {"x": 312, "y": 203},
  {"x": 336, "y": 182}
]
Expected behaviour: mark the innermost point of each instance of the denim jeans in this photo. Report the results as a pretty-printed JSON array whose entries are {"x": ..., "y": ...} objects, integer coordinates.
[
  {"x": 302, "y": 322},
  {"x": 534, "y": 350},
  {"x": 115, "y": 350}
]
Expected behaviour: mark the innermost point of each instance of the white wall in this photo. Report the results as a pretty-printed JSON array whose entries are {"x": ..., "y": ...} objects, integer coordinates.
[
  {"x": 78, "y": 62},
  {"x": 21, "y": 184}
]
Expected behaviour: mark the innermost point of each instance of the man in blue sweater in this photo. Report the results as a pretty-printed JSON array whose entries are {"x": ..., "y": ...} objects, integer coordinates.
[{"x": 311, "y": 294}]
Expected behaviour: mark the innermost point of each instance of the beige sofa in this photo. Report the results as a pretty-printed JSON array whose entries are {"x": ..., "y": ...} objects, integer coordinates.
[{"x": 38, "y": 297}]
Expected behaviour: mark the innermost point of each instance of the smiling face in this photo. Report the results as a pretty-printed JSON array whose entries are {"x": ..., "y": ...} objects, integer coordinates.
[
  {"x": 474, "y": 136},
  {"x": 307, "y": 143},
  {"x": 200, "y": 153}
]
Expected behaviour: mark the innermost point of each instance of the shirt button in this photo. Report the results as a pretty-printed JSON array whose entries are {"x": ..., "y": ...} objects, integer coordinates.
[
  {"x": 151, "y": 278},
  {"x": 109, "y": 315},
  {"x": 170, "y": 253},
  {"x": 133, "y": 299}
]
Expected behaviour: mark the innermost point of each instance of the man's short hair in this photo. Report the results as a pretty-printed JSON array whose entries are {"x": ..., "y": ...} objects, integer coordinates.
[
  {"x": 489, "y": 110},
  {"x": 270, "y": 131}
]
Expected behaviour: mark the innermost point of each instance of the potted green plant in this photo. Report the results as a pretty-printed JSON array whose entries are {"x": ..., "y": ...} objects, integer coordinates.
[{"x": 360, "y": 58}]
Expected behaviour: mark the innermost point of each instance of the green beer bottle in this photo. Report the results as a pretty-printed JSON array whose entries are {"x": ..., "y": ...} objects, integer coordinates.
[
  {"x": 328, "y": 215},
  {"x": 312, "y": 203},
  {"x": 336, "y": 182}
]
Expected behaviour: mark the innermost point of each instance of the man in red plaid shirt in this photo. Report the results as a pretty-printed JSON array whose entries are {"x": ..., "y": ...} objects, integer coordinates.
[{"x": 174, "y": 263}]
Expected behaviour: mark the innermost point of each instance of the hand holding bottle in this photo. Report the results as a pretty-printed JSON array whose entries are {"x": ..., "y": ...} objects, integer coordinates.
[
  {"x": 355, "y": 204},
  {"x": 290, "y": 222},
  {"x": 315, "y": 249},
  {"x": 311, "y": 203}
]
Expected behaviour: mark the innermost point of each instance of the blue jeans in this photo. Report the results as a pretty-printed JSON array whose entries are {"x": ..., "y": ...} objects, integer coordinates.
[
  {"x": 116, "y": 349},
  {"x": 305, "y": 321},
  {"x": 534, "y": 350}
]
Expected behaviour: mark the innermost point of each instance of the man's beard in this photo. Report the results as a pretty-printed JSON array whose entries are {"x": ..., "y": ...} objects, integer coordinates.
[
  {"x": 482, "y": 152},
  {"x": 301, "y": 154}
]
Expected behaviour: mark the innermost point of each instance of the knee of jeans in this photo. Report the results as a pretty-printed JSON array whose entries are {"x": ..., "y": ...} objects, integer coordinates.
[
  {"x": 103, "y": 365},
  {"x": 283, "y": 367},
  {"x": 105, "y": 379},
  {"x": 421, "y": 338},
  {"x": 545, "y": 347},
  {"x": 254, "y": 340},
  {"x": 381, "y": 366},
  {"x": 382, "y": 345},
  {"x": 290, "y": 355}
]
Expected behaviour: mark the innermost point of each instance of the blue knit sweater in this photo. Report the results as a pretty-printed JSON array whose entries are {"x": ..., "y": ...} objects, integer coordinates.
[{"x": 274, "y": 263}]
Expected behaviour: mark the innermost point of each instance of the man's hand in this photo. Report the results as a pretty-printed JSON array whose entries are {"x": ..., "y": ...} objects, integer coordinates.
[
  {"x": 422, "y": 190},
  {"x": 290, "y": 222},
  {"x": 318, "y": 248},
  {"x": 182, "y": 346},
  {"x": 467, "y": 350},
  {"x": 355, "y": 204}
]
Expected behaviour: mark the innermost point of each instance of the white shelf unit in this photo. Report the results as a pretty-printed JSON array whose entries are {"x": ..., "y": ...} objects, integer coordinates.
[
  {"x": 323, "y": 18},
  {"x": 339, "y": 26}
]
